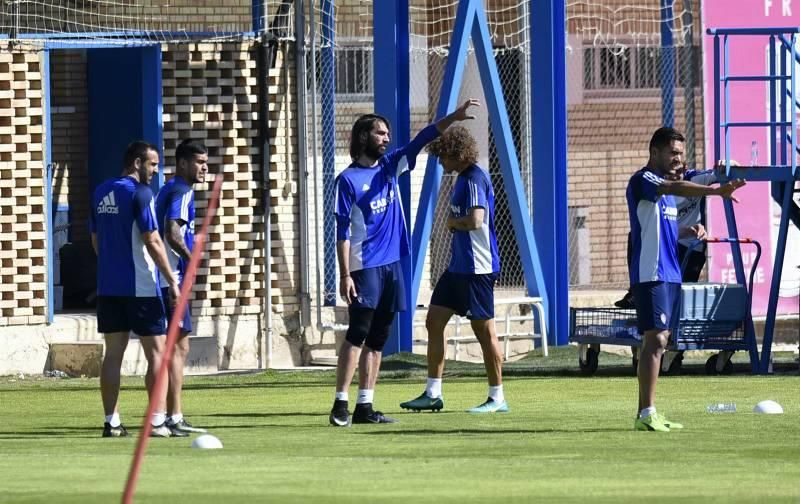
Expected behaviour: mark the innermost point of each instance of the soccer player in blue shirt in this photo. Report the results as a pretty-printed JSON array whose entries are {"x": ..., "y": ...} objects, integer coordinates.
[
  {"x": 371, "y": 239},
  {"x": 125, "y": 238},
  {"x": 467, "y": 287},
  {"x": 654, "y": 270},
  {"x": 175, "y": 214},
  {"x": 690, "y": 226}
]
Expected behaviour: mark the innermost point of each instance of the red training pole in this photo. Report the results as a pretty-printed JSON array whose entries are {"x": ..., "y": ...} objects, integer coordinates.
[{"x": 172, "y": 336}]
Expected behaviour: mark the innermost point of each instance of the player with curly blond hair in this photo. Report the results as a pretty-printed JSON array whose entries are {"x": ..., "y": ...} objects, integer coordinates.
[{"x": 467, "y": 287}]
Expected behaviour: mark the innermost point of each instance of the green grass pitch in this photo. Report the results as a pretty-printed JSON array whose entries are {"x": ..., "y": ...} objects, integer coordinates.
[{"x": 567, "y": 438}]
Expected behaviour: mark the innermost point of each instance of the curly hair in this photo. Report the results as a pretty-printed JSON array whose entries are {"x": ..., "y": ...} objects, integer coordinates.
[{"x": 456, "y": 143}]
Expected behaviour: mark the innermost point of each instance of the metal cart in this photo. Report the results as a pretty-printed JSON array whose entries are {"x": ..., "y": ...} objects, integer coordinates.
[{"x": 712, "y": 316}]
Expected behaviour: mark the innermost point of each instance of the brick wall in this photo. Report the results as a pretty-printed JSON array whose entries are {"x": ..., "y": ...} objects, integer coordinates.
[
  {"x": 23, "y": 279},
  {"x": 283, "y": 191},
  {"x": 70, "y": 142},
  {"x": 210, "y": 94},
  {"x": 140, "y": 15},
  {"x": 607, "y": 143}
]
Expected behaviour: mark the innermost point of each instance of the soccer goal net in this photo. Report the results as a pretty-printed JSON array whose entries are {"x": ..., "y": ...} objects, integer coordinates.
[{"x": 29, "y": 23}]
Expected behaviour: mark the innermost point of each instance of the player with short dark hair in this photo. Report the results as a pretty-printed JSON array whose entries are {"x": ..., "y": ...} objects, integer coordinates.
[
  {"x": 129, "y": 250},
  {"x": 175, "y": 214},
  {"x": 654, "y": 270},
  {"x": 467, "y": 287},
  {"x": 371, "y": 239}
]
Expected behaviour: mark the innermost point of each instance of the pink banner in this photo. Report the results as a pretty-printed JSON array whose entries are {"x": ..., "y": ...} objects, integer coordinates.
[{"x": 757, "y": 215}]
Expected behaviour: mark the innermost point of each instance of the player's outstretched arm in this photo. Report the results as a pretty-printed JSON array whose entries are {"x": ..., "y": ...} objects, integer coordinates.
[
  {"x": 691, "y": 190},
  {"x": 427, "y": 135},
  {"x": 727, "y": 189},
  {"x": 459, "y": 114}
]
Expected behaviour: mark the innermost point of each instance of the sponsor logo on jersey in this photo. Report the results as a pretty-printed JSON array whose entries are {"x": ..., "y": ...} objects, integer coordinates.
[
  {"x": 108, "y": 205},
  {"x": 379, "y": 205}
]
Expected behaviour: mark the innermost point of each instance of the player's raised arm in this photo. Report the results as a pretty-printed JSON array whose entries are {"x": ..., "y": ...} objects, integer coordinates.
[{"x": 427, "y": 135}]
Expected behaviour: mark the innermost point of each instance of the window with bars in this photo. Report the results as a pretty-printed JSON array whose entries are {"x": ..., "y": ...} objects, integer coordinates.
[
  {"x": 637, "y": 68},
  {"x": 352, "y": 71}
]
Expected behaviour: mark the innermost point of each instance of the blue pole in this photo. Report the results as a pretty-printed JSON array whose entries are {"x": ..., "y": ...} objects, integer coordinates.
[
  {"x": 328, "y": 98},
  {"x": 390, "y": 70},
  {"x": 258, "y": 16},
  {"x": 549, "y": 160},
  {"x": 448, "y": 97},
  {"x": 783, "y": 228},
  {"x": 667, "y": 65},
  {"x": 404, "y": 328},
  {"x": 730, "y": 217}
]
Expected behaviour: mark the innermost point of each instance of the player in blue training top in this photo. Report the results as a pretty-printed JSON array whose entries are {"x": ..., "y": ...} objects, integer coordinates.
[
  {"x": 175, "y": 213},
  {"x": 654, "y": 270},
  {"x": 690, "y": 226},
  {"x": 371, "y": 239},
  {"x": 125, "y": 238},
  {"x": 467, "y": 287}
]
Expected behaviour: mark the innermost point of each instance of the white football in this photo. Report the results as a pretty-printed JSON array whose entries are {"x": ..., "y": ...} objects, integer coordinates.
[
  {"x": 207, "y": 442},
  {"x": 769, "y": 407}
]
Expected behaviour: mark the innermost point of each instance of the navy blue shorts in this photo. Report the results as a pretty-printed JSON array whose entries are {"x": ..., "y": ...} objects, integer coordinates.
[
  {"x": 469, "y": 295},
  {"x": 380, "y": 288},
  {"x": 186, "y": 323},
  {"x": 656, "y": 302},
  {"x": 143, "y": 315}
]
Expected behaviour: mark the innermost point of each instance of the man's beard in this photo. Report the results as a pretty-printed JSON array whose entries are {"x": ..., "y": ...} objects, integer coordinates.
[
  {"x": 143, "y": 176},
  {"x": 372, "y": 150}
]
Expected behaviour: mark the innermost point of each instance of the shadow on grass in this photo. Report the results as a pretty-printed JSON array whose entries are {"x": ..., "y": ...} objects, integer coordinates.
[
  {"x": 79, "y": 432},
  {"x": 265, "y": 415},
  {"x": 427, "y": 432}
]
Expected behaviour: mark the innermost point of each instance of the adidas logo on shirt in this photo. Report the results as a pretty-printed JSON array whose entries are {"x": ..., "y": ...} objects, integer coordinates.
[{"x": 108, "y": 205}]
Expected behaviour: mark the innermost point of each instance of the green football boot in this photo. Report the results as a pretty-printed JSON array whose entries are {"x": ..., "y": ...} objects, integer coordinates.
[
  {"x": 670, "y": 424},
  {"x": 423, "y": 403},
  {"x": 654, "y": 422}
]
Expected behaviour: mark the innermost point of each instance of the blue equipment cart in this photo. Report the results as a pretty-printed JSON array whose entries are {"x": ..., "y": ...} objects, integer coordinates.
[{"x": 712, "y": 316}]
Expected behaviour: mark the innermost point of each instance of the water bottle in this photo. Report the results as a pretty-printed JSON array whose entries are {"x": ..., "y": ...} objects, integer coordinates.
[
  {"x": 721, "y": 408},
  {"x": 754, "y": 153}
]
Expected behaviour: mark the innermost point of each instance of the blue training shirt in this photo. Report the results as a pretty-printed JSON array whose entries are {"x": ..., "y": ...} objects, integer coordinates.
[
  {"x": 175, "y": 201},
  {"x": 474, "y": 251},
  {"x": 368, "y": 209},
  {"x": 654, "y": 230},
  {"x": 122, "y": 209}
]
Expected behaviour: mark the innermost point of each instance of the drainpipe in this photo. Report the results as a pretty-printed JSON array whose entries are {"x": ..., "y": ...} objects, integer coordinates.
[{"x": 302, "y": 149}]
